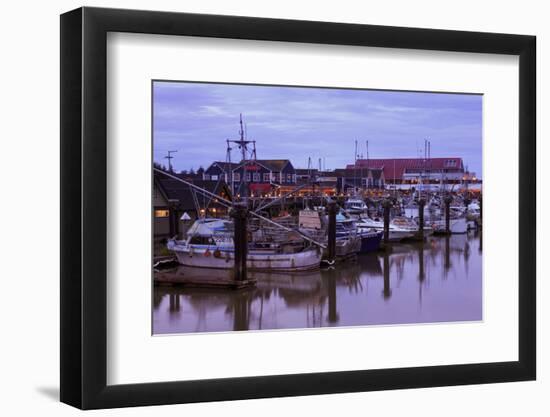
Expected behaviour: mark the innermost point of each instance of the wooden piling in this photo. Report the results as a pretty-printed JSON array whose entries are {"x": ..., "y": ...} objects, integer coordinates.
[
  {"x": 386, "y": 204},
  {"x": 448, "y": 215},
  {"x": 239, "y": 214},
  {"x": 331, "y": 207}
]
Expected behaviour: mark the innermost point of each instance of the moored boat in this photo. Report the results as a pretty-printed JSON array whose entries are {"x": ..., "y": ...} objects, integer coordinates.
[
  {"x": 209, "y": 244},
  {"x": 355, "y": 206},
  {"x": 396, "y": 233}
]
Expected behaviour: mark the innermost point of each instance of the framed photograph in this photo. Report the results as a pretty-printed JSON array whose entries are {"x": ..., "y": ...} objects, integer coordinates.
[{"x": 257, "y": 208}]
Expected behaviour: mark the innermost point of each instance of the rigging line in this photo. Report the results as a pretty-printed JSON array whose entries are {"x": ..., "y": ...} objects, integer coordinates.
[
  {"x": 207, "y": 204},
  {"x": 228, "y": 203}
]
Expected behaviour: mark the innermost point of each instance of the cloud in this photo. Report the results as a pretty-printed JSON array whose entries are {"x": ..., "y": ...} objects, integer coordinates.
[{"x": 295, "y": 123}]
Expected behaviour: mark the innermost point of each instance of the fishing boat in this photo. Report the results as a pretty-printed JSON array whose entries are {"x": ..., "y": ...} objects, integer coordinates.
[
  {"x": 348, "y": 241},
  {"x": 355, "y": 206},
  {"x": 209, "y": 244},
  {"x": 473, "y": 211},
  {"x": 346, "y": 228},
  {"x": 411, "y": 225},
  {"x": 396, "y": 233}
]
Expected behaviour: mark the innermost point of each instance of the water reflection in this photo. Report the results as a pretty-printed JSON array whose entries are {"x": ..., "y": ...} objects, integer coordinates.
[{"x": 435, "y": 281}]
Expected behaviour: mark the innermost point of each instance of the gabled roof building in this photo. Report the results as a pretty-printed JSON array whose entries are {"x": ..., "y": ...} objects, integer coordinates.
[{"x": 411, "y": 170}]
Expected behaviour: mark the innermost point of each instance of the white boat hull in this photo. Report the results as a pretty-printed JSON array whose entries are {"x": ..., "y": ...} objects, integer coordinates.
[
  {"x": 225, "y": 259},
  {"x": 395, "y": 235}
]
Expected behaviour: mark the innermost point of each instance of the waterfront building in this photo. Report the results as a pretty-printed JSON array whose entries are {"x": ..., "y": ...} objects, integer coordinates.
[
  {"x": 175, "y": 207},
  {"x": 259, "y": 176},
  {"x": 361, "y": 178},
  {"x": 219, "y": 169},
  {"x": 407, "y": 172}
]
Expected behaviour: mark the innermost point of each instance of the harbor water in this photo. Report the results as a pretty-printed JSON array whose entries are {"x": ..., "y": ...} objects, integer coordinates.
[{"x": 439, "y": 280}]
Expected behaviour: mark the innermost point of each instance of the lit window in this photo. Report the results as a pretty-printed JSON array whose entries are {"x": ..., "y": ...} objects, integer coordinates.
[
  {"x": 161, "y": 213},
  {"x": 214, "y": 177}
]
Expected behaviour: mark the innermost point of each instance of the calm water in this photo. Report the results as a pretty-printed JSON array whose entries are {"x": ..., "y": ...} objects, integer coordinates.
[{"x": 437, "y": 281}]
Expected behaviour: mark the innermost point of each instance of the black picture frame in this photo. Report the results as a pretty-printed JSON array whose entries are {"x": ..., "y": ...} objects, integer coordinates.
[{"x": 84, "y": 207}]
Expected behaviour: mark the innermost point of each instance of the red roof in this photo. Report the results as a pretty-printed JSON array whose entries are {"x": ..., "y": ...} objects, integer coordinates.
[{"x": 394, "y": 168}]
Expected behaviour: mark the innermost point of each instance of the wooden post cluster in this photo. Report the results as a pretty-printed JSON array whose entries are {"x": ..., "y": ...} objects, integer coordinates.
[
  {"x": 239, "y": 215},
  {"x": 386, "y": 204},
  {"x": 448, "y": 214},
  {"x": 331, "y": 208}
]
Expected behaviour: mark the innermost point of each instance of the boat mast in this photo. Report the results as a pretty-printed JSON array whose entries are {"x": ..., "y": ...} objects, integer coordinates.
[
  {"x": 229, "y": 167},
  {"x": 355, "y": 170},
  {"x": 243, "y": 145},
  {"x": 367, "y": 143}
]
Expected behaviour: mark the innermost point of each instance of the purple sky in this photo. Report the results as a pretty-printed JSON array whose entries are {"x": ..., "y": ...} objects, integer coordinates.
[{"x": 296, "y": 123}]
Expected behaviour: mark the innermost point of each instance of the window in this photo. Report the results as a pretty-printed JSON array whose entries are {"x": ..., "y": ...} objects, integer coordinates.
[
  {"x": 214, "y": 177},
  {"x": 288, "y": 177},
  {"x": 206, "y": 176},
  {"x": 267, "y": 177},
  {"x": 236, "y": 176},
  {"x": 256, "y": 177},
  {"x": 162, "y": 213},
  {"x": 247, "y": 177},
  {"x": 450, "y": 162}
]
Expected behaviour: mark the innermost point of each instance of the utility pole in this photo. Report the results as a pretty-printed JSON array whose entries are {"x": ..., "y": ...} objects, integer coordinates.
[{"x": 170, "y": 157}]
